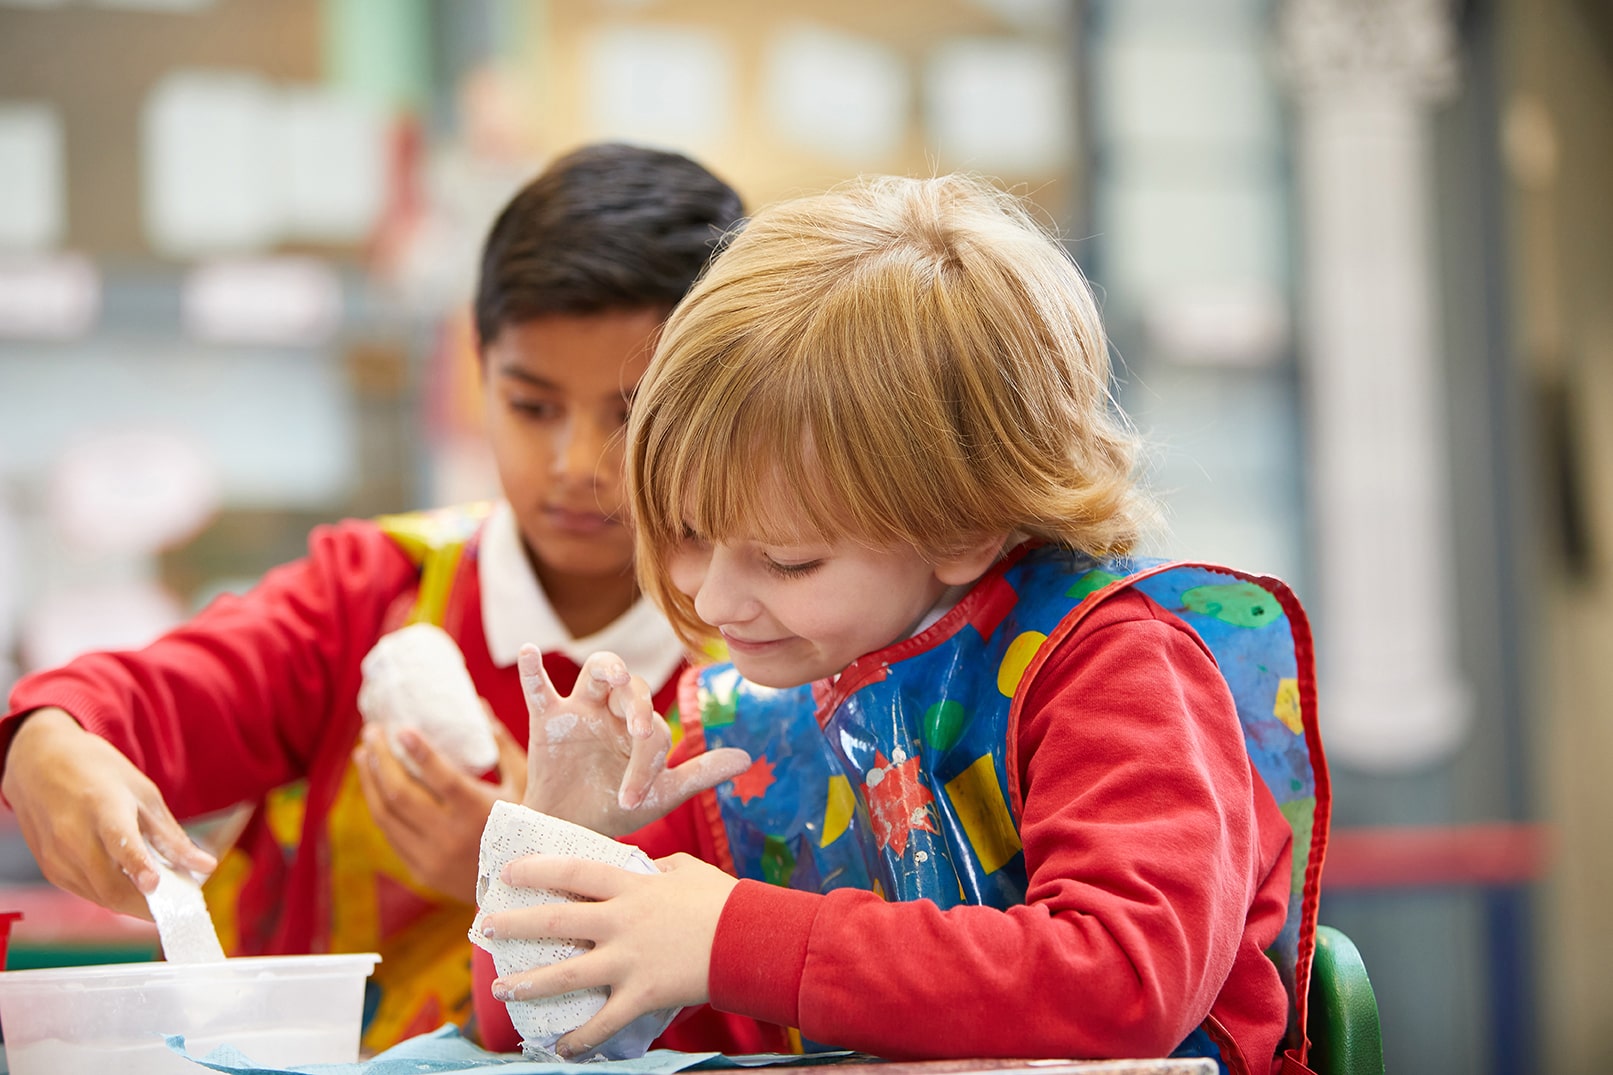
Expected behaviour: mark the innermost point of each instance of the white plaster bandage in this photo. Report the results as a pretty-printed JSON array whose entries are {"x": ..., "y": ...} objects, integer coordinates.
[
  {"x": 514, "y": 831},
  {"x": 415, "y": 677}
]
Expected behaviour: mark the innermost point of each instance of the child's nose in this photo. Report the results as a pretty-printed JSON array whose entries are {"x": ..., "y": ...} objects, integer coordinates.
[
  {"x": 581, "y": 451},
  {"x": 720, "y": 597}
]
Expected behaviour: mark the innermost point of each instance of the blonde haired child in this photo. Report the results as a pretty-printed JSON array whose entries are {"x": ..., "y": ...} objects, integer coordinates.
[{"x": 1003, "y": 799}]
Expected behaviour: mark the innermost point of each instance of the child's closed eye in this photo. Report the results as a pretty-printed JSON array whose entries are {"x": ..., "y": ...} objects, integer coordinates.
[{"x": 791, "y": 570}]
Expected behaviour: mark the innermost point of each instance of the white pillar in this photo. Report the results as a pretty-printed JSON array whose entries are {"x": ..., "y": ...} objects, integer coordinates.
[{"x": 1364, "y": 74}]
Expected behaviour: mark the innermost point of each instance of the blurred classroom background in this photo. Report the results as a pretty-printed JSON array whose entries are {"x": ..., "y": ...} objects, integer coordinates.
[{"x": 1356, "y": 257}]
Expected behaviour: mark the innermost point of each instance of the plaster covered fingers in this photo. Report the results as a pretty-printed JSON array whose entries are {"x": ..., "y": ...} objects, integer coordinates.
[
  {"x": 536, "y": 688},
  {"x": 602, "y": 674},
  {"x": 606, "y": 680}
]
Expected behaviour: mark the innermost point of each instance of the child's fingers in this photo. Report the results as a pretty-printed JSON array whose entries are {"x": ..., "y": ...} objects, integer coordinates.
[
  {"x": 581, "y": 877},
  {"x": 602, "y": 673},
  {"x": 606, "y": 1024},
  {"x": 377, "y": 796},
  {"x": 169, "y": 839},
  {"x": 433, "y": 771},
  {"x": 707, "y": 771},
  {"x": 645, "y": 766},
  {"x": 581, "y": 971},
  {"x": 126, "y": 846},
  {"x": 535, "y": 685},
  {"x": 633, "y": 703}
]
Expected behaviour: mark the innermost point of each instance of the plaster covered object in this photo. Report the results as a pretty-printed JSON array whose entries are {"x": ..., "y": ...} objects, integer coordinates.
[
  {"x": 415, "y": 677},
  {"x": 183, "y": 923},
  {"x": 514, "y": 831}
]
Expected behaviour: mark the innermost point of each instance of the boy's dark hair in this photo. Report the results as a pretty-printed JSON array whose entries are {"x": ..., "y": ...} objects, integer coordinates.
[{"x": 606, "y": 227}]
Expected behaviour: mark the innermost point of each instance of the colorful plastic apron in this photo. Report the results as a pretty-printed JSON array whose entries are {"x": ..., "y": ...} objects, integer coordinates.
[
  {"x": 900, "y": 777},
  {"x": 367, "y": 900}
]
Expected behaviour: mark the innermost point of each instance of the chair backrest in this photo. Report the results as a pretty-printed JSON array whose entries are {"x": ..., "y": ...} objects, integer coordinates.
[{"x": 1346, "y": 1038}]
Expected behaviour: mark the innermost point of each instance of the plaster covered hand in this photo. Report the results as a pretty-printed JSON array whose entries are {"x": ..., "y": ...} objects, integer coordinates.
[
  {"x": 649, "y": 937},
  {"x": 88, "y": 814},
  {"x": 597, "y": 757},
  {"x": 433, "y": 816}
]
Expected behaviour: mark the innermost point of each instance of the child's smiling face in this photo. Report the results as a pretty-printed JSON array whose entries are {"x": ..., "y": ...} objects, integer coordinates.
[{"x": 799, "y": 612}]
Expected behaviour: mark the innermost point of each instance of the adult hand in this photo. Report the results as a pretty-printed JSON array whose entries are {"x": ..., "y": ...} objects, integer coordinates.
[
  {"x": 651, "y": 937},
  {"x": 87, "y": 814},
  {"x": 434, "y": 817},
  {"x": 597, "y": 757}
]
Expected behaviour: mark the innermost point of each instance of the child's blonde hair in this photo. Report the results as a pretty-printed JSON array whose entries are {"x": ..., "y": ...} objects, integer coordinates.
[{"x": 908, "y": 360}]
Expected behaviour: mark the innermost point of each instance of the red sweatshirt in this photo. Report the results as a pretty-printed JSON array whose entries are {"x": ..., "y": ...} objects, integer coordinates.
[{"x": 1159, "y": 872}]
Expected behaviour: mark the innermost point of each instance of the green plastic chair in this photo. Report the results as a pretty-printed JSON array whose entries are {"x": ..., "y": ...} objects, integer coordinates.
[{"x": 1345, "y": 1036}]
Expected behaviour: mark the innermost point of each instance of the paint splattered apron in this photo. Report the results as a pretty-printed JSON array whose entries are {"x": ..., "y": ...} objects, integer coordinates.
[{"x": 898, "y": 777}]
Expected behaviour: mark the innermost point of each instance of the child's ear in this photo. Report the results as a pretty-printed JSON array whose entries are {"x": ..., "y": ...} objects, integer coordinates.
[{"x": 962, "y": 568}]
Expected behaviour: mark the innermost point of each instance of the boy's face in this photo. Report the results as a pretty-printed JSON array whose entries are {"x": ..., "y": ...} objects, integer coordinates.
[
  {"x": 556, "y": 391},
  {"x": 792, "y": 614}
]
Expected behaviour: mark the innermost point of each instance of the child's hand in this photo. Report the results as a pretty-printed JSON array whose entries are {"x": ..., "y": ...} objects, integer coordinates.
[
  {"x": 87, "y": 814},
  {"x": 651, "y": 937},
  {"x": 434, "y": 821},
  {"x": 598, "y": 756}
]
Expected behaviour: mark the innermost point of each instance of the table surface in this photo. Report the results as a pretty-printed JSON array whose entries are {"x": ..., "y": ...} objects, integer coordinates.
[
  {"x": 1029, "y": 1067},
  {"x": 975, "y": 1067}
]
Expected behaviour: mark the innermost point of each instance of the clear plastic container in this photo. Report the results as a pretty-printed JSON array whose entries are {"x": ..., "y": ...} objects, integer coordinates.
[{"x": 277, "y": 1010}]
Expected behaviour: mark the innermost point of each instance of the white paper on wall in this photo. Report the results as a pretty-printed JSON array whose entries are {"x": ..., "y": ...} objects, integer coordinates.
[
  {"x": 210, "y": 175},
  {"x": 286, "y": 300},
  {"x": 121, "y": 615},
  {"x": 659, "y": 85},
  {"x": 131, "y": 491},
  {"x": 835, "y": 93},
  {"x": 335, "y": 178},
  {"x": 1000, "y": 106},
  {"x": 232, "y": 163},
  {"x": 48, "y": 297},
  {"x": 33, "y": 191}
]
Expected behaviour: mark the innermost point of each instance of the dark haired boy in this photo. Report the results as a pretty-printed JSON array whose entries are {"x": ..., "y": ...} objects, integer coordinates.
[{"x": 254, "y": 700}]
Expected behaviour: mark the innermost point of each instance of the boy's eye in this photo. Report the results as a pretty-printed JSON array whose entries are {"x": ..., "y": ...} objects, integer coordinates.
[{"x": 535, "y": 408}]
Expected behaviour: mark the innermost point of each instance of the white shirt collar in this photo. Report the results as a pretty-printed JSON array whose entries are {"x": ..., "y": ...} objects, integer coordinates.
[{"x": 515, "y": 610}]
